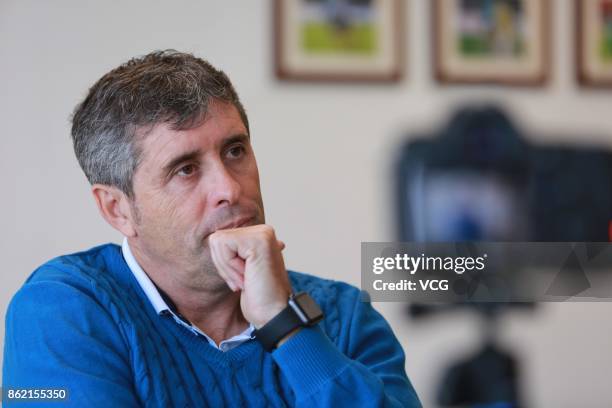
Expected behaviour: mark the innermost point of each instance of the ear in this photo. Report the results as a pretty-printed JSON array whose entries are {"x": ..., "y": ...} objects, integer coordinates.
[{"x": 115, "y": 207}]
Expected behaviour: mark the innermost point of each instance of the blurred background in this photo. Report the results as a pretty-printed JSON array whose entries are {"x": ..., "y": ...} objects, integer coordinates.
[{"x": 381, "y": 135}]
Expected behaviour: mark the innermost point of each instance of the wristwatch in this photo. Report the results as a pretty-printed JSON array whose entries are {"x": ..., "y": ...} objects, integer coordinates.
[{"x": 301, "y": 311}]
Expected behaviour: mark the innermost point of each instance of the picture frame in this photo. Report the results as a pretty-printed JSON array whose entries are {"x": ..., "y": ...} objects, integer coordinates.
[
  {"x": 594, "y": 42},
  {"x": 503, "y": 42},
  {"x": 339, "y": 41}
]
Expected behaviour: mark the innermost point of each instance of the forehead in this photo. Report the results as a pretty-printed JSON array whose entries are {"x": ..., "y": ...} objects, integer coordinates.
[{"x": 162, "y": 142}]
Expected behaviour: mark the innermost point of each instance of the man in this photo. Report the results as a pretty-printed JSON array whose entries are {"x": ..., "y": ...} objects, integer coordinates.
[{"x": 196, "y": 307}]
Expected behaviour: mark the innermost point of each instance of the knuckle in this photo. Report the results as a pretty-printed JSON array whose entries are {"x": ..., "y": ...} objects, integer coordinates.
[
  {"x": 217, "y": 235},
  {"x": 267, "y": 232}
]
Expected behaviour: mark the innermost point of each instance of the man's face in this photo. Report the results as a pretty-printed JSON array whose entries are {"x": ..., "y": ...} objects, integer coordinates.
[{"x": 188, "y": 184}]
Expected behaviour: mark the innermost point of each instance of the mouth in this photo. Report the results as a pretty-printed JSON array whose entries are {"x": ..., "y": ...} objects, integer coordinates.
[
  {"x": 240, "y": 222},
  {"x": 237, "y": 223}
]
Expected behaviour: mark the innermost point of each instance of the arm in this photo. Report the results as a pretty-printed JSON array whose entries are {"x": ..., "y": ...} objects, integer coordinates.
[
  {"x": 59, "y": 337},
  {"x": 370, "y": 372}
]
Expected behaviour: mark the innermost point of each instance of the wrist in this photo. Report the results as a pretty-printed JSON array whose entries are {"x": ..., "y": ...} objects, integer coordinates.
[
  {"x": 270, "y": 312},
  {"x": 300, "y": 311}
]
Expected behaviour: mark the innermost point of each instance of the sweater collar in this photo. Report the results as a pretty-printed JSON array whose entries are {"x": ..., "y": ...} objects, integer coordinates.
[{"x": 163, "y": 305}]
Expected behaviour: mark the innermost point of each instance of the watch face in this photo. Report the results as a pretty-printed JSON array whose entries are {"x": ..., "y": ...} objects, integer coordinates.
[{"x": 308, "y": 306}]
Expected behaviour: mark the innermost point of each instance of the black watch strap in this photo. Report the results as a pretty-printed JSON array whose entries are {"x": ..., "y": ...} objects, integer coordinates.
[{"x": 281, "y": 325}]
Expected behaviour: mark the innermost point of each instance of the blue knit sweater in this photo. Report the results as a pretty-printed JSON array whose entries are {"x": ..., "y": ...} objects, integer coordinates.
[{"x": 81, "y": 322}]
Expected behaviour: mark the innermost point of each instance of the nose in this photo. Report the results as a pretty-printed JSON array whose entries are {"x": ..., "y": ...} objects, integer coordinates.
[{"x": 223, "y": 188}]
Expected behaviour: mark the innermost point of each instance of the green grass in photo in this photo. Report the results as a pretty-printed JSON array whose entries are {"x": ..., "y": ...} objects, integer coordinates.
[
  {"x": 473, "y": 45},
  {"x": 606, "y": 45},
  {"x": 326, "y": 38},
  {"x": 480, "y": 46}
]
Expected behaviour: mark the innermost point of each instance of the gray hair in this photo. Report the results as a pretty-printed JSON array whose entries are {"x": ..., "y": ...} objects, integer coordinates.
[{"x": 161, "y": 87}]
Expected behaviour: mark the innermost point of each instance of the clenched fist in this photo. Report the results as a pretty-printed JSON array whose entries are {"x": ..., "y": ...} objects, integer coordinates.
[{"x": 250, "y": 259}]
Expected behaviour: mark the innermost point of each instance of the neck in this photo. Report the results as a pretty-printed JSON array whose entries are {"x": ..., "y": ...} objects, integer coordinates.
[
  {"x": 212, "y": 306},
  {"x": 217, "y": 314}
]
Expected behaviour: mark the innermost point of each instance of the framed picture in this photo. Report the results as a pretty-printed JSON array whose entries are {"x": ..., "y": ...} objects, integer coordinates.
[
  {"x": 594, "y": 42},
  {"x": 339, "y": 40},
  {"x": 491, "y": 41}
]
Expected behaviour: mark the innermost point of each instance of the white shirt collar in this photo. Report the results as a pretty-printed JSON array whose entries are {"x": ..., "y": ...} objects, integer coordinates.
[{"x": 161, "y": 307}]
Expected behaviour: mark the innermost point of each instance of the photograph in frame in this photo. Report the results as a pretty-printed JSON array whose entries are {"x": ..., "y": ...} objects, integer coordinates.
[
  {"x": 491, "y": 41},
  {"x": 594, "y": 42},
  {"x": 339, "y": 40}
]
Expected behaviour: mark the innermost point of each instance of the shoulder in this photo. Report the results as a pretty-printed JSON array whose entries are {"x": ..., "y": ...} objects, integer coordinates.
[
  {"x": 79, "y": 265},
  {"x": 91, "y": 259},
  {"x": 78, "y": 279},
  {"x": 66, "y": 315},
  {"x": 99, "y": 268}
]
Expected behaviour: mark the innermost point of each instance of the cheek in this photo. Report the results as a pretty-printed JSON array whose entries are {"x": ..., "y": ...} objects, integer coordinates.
[
  {"x": 250, "y": 181},
  {"x": 185, "y": 212},
  {"x": 163, "y": 212}
]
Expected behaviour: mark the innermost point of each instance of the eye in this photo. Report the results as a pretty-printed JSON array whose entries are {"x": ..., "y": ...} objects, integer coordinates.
[
  {"x": 236, "y": 151},
  {"x": 187, "y": 170}
]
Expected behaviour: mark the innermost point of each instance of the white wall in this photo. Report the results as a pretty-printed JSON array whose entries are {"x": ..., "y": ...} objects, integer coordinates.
[{"x": 324, "y": 153}]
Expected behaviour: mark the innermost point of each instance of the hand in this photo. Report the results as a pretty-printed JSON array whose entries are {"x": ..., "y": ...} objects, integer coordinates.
[{"x": 250, "y": 259}]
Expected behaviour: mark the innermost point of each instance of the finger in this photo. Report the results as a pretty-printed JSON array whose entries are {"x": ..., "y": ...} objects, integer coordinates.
[
  {"x": 221, "y": 255},
  {"x": 231, "y": 285},
  {"x": 237, "y": 265},
  {"x": 227, "y": 249},
  {"x": 233, "y": 264}
]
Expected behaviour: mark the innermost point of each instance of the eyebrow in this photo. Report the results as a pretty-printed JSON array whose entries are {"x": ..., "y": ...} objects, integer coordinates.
[
  {"x": 195, "y": 153},
  {"x": 235, "y": 139},
  {"x": 187, "y": 156}
]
